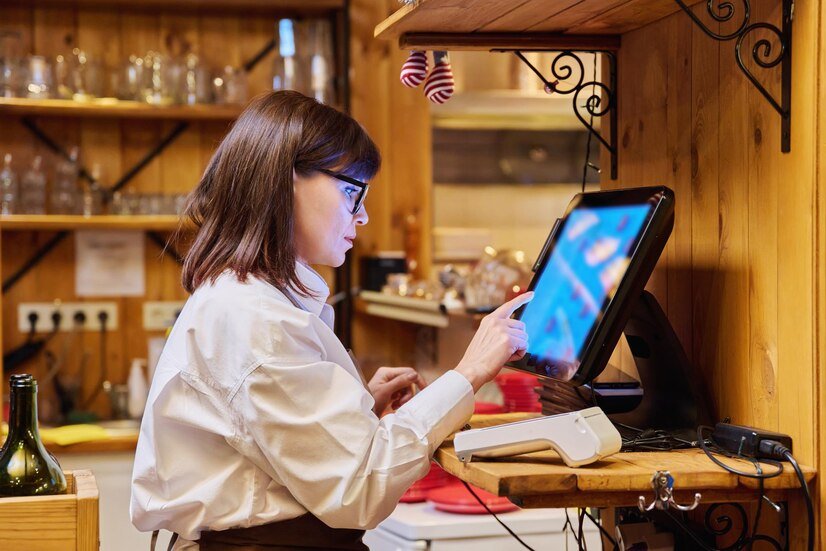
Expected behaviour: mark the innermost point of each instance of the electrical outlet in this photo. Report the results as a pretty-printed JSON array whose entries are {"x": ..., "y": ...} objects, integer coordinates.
[
  {"x": 159, "y": 315},
  {"x": 44, "y": 311}
]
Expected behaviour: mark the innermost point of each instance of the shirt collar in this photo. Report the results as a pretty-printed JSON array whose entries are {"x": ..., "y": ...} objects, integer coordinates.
[{"x": 313, "y": 281}]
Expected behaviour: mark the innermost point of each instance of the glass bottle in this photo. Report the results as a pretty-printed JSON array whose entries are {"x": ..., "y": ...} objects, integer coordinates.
[
  {"x": 9, "y": 192},
  {"x": 26, "y": 468},
  {"x": 92, "y": 202},
  {"x": 33, "y": 189},
  {"x": 321, "y": 77},
  {"x": 286, "y": 71},
  {"x": 39, "y": 82},
  {"x": 64, "y": 196}
]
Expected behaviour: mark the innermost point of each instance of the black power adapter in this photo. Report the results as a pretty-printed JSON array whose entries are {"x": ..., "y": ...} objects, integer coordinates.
[{"x": 751, "y": 442}]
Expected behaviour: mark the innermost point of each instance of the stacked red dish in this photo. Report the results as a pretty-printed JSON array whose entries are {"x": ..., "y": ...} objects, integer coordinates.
[
  {"x": 455, "y": 498},
  {"x": 487, "y": 408},
  {"x": 519, "y": 391},
  {"x": 435, "y": 478}
]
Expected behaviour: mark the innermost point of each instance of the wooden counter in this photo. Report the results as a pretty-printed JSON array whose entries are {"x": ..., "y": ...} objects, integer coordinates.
[
  {"x": 542, "y": 480},
  {"x": 120, "y": 443}
]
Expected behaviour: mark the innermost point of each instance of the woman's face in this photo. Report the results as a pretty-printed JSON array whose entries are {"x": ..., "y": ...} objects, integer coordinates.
[{"x": 324, "y": 224}]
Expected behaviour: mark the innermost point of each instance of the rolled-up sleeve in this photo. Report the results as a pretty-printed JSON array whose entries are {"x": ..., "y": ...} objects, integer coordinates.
[{"x": 313, "y": 422}]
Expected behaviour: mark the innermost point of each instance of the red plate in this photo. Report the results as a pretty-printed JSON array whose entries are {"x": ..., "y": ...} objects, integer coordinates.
[
  {"x": 456, "y": 499},
  {"x": 413, "y": 495},
  {"x": 487, "y": 408}
]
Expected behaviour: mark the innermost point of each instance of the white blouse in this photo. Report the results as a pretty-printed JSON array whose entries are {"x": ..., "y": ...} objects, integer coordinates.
[{"x": 257, "y": 414}]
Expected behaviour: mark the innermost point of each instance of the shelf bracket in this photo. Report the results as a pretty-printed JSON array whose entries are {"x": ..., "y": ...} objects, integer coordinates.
[
  {"x": 726, "y": 521},
  {"x": 762, "y": 53},
  {"x": 601, "y": 102}
]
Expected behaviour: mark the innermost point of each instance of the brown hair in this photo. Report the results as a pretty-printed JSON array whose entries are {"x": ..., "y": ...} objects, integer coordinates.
[{"x": 243, "y": 205}]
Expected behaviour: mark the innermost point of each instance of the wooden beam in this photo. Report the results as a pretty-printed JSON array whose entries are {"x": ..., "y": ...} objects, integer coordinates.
[{"x": 508, "y": 41}]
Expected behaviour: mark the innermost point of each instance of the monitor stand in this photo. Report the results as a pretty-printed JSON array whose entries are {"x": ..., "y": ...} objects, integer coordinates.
[{"x": 673, "y": 394}]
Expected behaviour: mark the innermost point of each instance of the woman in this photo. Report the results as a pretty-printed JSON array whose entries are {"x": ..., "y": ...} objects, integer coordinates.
[{"x": 259, "y": 432}]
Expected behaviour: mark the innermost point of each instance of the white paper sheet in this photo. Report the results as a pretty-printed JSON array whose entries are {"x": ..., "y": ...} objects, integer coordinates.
[{"x": 109, "y": 263}]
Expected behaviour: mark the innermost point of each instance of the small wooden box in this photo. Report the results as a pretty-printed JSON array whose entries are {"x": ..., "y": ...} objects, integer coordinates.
[{"x": 59, "y": 522}]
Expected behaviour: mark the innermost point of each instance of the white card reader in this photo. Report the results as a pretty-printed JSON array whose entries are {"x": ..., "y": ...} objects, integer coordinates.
[{"x": 580, "y": 438}]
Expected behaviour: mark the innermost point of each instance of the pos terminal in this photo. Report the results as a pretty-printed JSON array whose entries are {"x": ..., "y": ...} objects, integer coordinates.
[{"x": 589, "y": 288}]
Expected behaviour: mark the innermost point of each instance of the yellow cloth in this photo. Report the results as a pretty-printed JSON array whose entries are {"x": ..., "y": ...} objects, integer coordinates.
[{"x": 72, "y": 434}]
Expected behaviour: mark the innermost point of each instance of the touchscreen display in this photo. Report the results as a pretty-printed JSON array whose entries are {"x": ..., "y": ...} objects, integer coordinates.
[{"x": 587, "y": 263}]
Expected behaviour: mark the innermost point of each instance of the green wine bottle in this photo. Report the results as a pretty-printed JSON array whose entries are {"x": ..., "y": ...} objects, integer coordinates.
[{"x": 26, "y": 468}]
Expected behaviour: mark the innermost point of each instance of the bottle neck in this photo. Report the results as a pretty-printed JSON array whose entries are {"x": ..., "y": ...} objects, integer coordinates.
[{"x": 23, "y": 413}]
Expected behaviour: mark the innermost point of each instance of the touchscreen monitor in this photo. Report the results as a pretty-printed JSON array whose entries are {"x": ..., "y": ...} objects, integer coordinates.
[{"x": 594, "y": 269}]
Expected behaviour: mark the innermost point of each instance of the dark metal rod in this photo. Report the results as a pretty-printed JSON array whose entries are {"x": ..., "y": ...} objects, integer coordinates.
[
  {"x": 154, "y": 152},
  {"x": 51, "y": 144},
  {"x": 612, "y": 97},
  {"x": 786, "y": 79},
  {"x": 262, "y": 53},
  {"x": 38, "y": 255},
  {"x": 165, "y": 246},
  {"x": 548, "y": 85}
]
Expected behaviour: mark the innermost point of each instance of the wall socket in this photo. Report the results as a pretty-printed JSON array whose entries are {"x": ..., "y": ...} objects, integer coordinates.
[
  {"x": 44, "y": 311},
  {"x": 161, "y": 314}
]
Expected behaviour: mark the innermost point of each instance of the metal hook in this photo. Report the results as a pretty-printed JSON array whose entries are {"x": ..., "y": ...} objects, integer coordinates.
[{"x": 663, "y": 484}]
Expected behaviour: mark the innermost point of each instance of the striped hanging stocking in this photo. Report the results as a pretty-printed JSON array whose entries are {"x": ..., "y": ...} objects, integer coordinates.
[
  {"x": 414, "y": 69},
  {"x": 439, "y": 85}
]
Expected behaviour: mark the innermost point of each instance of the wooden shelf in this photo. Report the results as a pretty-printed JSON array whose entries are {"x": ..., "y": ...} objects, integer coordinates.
[
  {"x": 412, "y": 310},
  {"x": 112, "y": 108},
  {"x": 541, "y": 479},
  {"x": 257, "y": 7},
  {"x": 77, "y": 222},
  {"x": 520, "y": 24}
]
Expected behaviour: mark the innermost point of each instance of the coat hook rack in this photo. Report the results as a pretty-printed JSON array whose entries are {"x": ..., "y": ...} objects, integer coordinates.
[
  {"x": 716, "y": 524},
  {"x": 663, "y": 484},
  {"x": 602, "y": 100},
  {"x": 762, "y": 52}
]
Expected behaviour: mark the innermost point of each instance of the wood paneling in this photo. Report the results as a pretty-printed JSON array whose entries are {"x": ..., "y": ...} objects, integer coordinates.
[
  {"x": 115, "y": 145},
  {"x": 398, "y": 120},
  {"x": 742, "y": 276}
]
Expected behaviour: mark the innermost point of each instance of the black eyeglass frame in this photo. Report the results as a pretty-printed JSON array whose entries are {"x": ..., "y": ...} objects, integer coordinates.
[{"x": 363, "y": 186}]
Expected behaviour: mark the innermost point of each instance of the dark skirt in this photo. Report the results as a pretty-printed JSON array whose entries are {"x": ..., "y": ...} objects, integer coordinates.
[{"x": 305, "y": 533}]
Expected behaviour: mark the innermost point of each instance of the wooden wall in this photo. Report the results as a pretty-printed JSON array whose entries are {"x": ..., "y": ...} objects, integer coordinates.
[
  {"x": 396, "y": 117},
  {"x": 398, "y": 120},
  {"x": 742, "y": 278},
  {"x": 113, "y": 34}
]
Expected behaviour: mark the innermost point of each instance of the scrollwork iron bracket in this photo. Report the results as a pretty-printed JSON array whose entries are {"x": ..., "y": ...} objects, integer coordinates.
[
  {"x": 601, "y": 102},
  {"x": 761, "y": 52},
  {"x": 732, "y": 525}
]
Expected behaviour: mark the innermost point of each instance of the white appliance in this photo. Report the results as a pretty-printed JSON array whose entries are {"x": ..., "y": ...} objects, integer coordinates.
[{"x": 421, "y": 527}]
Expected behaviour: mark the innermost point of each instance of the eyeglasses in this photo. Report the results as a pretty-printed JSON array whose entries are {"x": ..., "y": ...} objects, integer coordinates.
[{"x": 363, "y": 187}]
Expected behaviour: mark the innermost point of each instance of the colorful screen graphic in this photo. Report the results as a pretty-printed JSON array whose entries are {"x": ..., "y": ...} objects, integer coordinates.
[{"x": 587, "y": 263}]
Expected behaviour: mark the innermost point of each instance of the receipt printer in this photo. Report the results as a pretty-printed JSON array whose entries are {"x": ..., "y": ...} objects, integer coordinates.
[{"x": 580, "y": 438}]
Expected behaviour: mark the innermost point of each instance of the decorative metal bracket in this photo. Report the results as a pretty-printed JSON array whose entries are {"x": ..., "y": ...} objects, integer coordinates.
[
  {"x": 663, "y": 484},
  {"x": 663, "y": 509},
  {"x": 761, "y": 53},
  {"x": 565, "y": 65}
]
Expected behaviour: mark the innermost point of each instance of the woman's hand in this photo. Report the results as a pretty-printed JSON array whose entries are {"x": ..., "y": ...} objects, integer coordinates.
[
  {"x": 498, "y": 340},
  {"x": 393, "y": 386}
]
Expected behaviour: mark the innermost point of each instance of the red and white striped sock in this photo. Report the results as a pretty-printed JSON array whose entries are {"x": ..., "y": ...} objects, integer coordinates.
[
  {"x": 439, "y": 85},
  {"x": 414, "y": 69}
]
